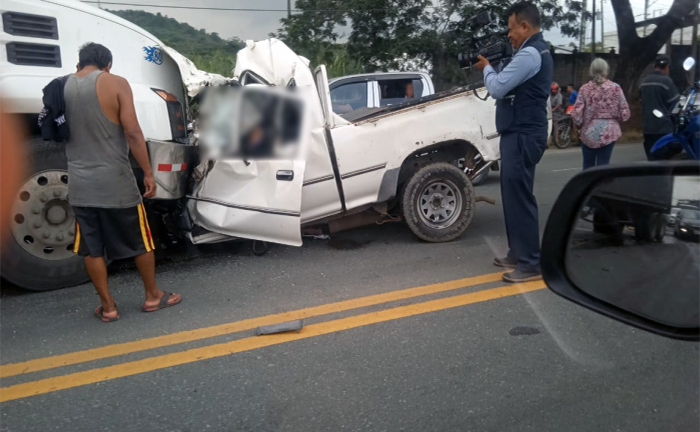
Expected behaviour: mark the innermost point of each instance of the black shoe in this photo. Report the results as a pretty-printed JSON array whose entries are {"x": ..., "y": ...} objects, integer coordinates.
[
  {"x": 504, "y": 262},
  {"x": 517, "y": 276}
]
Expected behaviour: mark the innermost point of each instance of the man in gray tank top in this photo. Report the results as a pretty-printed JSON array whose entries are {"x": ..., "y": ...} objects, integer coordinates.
[{"x": 110, "y": 217}]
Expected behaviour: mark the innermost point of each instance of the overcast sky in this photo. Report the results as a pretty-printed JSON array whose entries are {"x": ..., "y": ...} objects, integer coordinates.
[{"x": 257, "y": 25}]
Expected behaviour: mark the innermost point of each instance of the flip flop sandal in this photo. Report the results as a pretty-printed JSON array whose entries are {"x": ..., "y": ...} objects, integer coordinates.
[
  {"x": 99, "y": 314},
  {"x": 162, "y": 304}
]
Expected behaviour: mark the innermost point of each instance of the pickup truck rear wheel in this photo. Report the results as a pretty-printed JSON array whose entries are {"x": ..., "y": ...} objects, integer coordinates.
[
  {"x": 38, "y": 255},
  {"x": 438, "y": 202}
]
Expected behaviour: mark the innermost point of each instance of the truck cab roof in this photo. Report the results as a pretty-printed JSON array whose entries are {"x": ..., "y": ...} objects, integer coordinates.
[{"x": 375, "y": 76}]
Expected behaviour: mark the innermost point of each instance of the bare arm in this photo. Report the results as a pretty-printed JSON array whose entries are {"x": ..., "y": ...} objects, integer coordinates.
[{"x": 134, "y": 135}]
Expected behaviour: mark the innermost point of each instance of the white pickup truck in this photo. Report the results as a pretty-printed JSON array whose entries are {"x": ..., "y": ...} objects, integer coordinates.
[{"x": 369, "y": 165}]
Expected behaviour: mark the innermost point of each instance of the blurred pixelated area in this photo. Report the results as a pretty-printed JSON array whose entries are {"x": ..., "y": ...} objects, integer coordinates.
[{"x": 251, "y": 122}]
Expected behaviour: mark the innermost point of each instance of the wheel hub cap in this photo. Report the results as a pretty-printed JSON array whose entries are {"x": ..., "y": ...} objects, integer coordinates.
[
  {"x": 56, "y": 214},
  {"x": 43, "y": 223},
  {"x": 439, "y": 204}
]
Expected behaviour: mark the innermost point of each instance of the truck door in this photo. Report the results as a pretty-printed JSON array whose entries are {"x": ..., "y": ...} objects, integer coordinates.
[{"x": 253, "y": 189}]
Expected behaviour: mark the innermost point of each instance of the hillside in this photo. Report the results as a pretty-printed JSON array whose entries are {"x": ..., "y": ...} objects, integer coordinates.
[{"x": 208, "y": 51}]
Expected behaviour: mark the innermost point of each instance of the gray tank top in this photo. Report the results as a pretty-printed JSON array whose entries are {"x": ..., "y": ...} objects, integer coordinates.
[{"x": 99, "y": 171}]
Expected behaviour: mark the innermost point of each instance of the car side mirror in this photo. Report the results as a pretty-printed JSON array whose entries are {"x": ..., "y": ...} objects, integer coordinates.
[{"x": 612, "y": 246}]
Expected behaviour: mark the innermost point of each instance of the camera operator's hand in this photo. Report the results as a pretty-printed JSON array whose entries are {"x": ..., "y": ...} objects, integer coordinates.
[{"x": 481, "y": 64}]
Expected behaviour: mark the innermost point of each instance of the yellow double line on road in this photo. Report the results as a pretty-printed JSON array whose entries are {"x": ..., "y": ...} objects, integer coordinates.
[{"x": 52, "y": 384}]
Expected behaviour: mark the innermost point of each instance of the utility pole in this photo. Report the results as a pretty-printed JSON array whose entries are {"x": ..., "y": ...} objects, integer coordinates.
[
  {"x": 602, "y": 26},
  {"x": 582, "y": 41},
  {"x": 593, "y": 33},
  {"x": 695, "y": 42},
  {"x": 289, "y": 8}
]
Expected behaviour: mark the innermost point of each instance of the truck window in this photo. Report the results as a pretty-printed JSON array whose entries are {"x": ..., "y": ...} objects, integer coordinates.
[
  {"x": 399, "y": 90},
  {"x": 349, "y": 97}
]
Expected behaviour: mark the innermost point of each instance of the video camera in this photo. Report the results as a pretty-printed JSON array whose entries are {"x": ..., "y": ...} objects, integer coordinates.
[{"x": 494, "y": 46}]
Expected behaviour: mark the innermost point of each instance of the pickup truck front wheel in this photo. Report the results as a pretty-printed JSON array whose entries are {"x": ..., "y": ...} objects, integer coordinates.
[{"x": 438, "y": 202}]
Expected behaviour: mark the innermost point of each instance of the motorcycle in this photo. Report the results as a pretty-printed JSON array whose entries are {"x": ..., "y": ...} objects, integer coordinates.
[
  {"x": 563, "y": 134},
  {"x": 684, "y": 142}
]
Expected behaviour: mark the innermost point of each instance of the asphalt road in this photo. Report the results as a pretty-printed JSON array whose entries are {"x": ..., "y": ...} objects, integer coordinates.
[
  {"x": 399, "y": 335},
  {"x": 665, "y": 276}
]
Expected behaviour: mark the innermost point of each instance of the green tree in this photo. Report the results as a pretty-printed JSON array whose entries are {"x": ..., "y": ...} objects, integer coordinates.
[
  {"x": 383, "y": 31},
  {"x": 313, "y": 32},
  {"x": 207, "y": 50}
]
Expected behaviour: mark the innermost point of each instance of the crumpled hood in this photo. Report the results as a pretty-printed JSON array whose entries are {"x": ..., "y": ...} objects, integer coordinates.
[
  {"x": 193, "y": 78},
  {"x": 273, "y": 61}
]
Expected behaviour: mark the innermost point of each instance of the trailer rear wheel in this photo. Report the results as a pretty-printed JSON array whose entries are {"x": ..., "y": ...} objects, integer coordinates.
[
  {"x": 438, "y": 202},
  {"x": 38, "y": 255}
]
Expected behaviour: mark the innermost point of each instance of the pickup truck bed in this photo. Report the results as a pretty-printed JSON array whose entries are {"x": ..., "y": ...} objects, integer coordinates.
[{"x": 363, "y": 114}]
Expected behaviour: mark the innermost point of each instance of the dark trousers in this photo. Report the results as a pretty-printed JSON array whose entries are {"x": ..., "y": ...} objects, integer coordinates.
[
  {"x": 520, "y": 153},
  {"x": 596, "y": 156},
  {"x": 649, "y": 141}
]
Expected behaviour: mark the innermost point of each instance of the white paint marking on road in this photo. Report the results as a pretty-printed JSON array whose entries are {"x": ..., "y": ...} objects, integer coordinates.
[{"x": 565, "y": 169}]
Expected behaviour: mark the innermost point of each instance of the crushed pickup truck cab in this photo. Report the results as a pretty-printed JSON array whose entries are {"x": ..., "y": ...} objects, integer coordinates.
[{"x": 371, "y": 163}]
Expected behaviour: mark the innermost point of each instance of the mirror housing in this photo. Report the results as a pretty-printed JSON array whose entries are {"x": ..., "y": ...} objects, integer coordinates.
[
  {"x": 562, "y": 221},
  {"x": 688, "y": 63}
]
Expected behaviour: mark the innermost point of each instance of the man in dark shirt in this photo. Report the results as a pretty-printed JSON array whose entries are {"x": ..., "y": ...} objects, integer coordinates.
[{"x": 658, "y": 92}]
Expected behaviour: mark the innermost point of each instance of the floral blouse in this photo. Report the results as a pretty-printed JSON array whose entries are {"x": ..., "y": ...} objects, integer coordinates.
[{"x": 599, "y": 110}]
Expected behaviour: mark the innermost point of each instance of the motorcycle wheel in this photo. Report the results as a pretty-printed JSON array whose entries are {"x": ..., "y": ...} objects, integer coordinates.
[{"x": 562, "y": 136}]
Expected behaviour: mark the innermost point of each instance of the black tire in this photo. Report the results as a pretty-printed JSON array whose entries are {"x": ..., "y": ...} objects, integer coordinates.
[
  {"x": 563, "y": 129},
  {"x": 26, "y": 270},
  {"x": 641, "y": 226},
  {"x": 431, "y": 176}
]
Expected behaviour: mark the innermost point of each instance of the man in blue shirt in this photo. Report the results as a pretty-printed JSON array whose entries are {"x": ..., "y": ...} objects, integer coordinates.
[
  {"x": 521, "y": 90},
  {"x": 573, "y": 94}
]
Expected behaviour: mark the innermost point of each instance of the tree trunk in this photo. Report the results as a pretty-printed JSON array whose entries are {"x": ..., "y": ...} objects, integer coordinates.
[
  {"x": 439, "y": 72},
  {"x": 637, "y": 53},
  {"x": 632, "y": 65},
  {"x": 630, "y": 68}
]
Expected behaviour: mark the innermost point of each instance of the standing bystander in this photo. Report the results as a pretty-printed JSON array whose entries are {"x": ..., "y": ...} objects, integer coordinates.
[
  {"x": 521, "y": 90},
  {"x": 110, "y": 217},
  {"x": 658, "y": 92},
  {"x": 600, "y": 108}
]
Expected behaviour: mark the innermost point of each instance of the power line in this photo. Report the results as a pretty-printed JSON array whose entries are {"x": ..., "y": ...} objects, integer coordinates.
[{"x": 237, "y": 9}]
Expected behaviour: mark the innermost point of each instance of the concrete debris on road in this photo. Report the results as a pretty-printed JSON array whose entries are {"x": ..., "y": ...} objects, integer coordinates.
[{"x": 281, "y": 327}]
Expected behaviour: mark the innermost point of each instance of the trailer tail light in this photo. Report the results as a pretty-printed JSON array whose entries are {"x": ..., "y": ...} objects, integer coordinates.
[
  {"x": 175, "y": 114},
  {"x": 29, "y": 25}
]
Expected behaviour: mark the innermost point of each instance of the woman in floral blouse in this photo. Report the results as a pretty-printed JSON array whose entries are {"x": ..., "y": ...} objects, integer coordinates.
[{"x": 599, "y": 109}]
